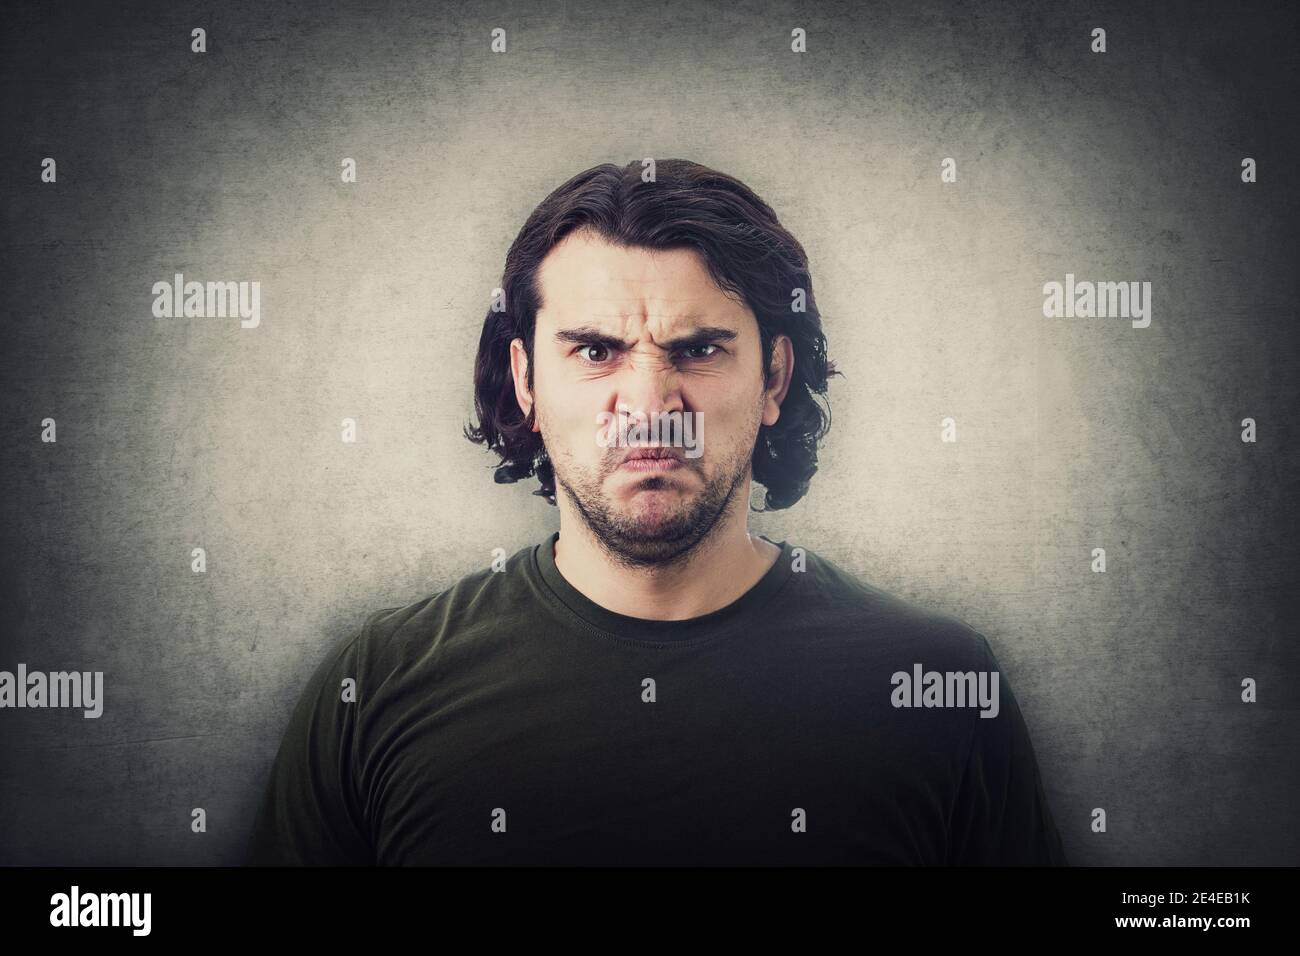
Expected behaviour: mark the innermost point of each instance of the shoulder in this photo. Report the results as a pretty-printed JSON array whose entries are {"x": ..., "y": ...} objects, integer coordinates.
[
  {"x": 835, "y": 597},
  {"x": 394, "y": 637}
]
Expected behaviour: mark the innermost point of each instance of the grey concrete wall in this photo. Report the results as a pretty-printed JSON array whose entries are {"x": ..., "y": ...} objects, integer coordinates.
[{"x": 1072, "y": 433}]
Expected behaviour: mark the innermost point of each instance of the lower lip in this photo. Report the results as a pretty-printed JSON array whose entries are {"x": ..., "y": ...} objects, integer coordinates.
[{"x": 651, "y": 464}]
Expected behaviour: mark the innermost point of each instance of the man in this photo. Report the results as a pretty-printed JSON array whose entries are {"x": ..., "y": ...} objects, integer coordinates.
[{"x": 653, "y": 684}]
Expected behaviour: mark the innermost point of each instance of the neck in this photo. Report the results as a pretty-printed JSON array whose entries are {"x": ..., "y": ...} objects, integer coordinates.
[{"x": 717, "y": 571}]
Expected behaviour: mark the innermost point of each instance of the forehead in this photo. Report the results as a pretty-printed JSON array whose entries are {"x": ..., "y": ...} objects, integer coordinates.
[{"x": 588, "y": 278}]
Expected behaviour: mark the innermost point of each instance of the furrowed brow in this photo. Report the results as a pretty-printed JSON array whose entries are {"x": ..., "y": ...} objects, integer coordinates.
[{"x": 704, "y": 335}]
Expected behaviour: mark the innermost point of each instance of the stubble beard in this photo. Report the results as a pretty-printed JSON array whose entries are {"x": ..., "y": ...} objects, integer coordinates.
[{"x": 641, "y": 538}]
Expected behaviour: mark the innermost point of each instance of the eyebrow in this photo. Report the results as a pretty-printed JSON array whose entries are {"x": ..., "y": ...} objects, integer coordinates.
[{"x": 703, "y": 335}]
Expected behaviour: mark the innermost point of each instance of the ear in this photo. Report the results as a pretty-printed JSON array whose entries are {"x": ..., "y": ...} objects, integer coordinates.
[
  {"x": 519, "y": 372},
  {"x": 778, "y": 383}
]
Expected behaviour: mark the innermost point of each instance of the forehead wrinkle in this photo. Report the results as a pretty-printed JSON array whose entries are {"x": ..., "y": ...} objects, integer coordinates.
[
  {"x": 657, "y": 326},
  {"x": 676, "y": 335}
]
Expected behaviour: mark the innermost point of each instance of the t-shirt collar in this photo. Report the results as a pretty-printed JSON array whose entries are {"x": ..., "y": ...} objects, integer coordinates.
[{"x": 736, "y": 616}]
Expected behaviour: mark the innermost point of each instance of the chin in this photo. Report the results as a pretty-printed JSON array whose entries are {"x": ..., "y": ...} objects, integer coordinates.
[{"x": 651, "y": 521}]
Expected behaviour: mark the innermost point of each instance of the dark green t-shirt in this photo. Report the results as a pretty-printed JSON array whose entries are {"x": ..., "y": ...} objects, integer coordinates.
[{"x": 511, "y": 720}]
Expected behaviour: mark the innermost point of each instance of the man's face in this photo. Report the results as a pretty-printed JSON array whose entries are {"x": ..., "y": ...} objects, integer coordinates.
[{"x": 631, "y": 332}]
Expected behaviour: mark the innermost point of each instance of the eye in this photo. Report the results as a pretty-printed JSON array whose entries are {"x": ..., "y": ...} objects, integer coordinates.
[
  {"x": 692, "y": 348},
  {"x": 600, "y": 350}
]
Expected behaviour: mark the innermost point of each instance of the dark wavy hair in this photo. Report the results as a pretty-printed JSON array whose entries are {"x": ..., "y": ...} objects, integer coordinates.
[{"x": 748, "y": 253}]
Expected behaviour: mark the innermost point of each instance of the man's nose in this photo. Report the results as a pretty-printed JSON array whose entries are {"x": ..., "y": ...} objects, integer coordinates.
[{"x": 649, "y": 385}]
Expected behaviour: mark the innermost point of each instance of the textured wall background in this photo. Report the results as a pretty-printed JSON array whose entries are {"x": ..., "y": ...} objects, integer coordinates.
[{"x": 1073, "y": 433}]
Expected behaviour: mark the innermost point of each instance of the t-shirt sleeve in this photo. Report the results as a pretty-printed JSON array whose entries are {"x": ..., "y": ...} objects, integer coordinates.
[
  {"x": 1001, "y": 816},
  {"x": 310, "y": 814}
]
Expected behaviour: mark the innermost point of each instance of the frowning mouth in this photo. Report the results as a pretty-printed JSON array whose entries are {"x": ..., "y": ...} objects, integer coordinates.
[{"x": 651, "y": 458}]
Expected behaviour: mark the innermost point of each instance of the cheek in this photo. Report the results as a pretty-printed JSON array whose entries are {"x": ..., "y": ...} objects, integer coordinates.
[
  {"x": 734, "y": 417},
  {"x": 559, "y": 407},
  {"x": 575, "y": 425}
]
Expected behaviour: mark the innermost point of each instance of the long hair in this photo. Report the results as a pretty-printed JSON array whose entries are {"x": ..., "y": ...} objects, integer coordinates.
[{"x": 748, "y": 253}]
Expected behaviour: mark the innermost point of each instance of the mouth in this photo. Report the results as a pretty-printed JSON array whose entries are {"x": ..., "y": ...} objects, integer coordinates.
[{"x": 651, "y": 458}]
